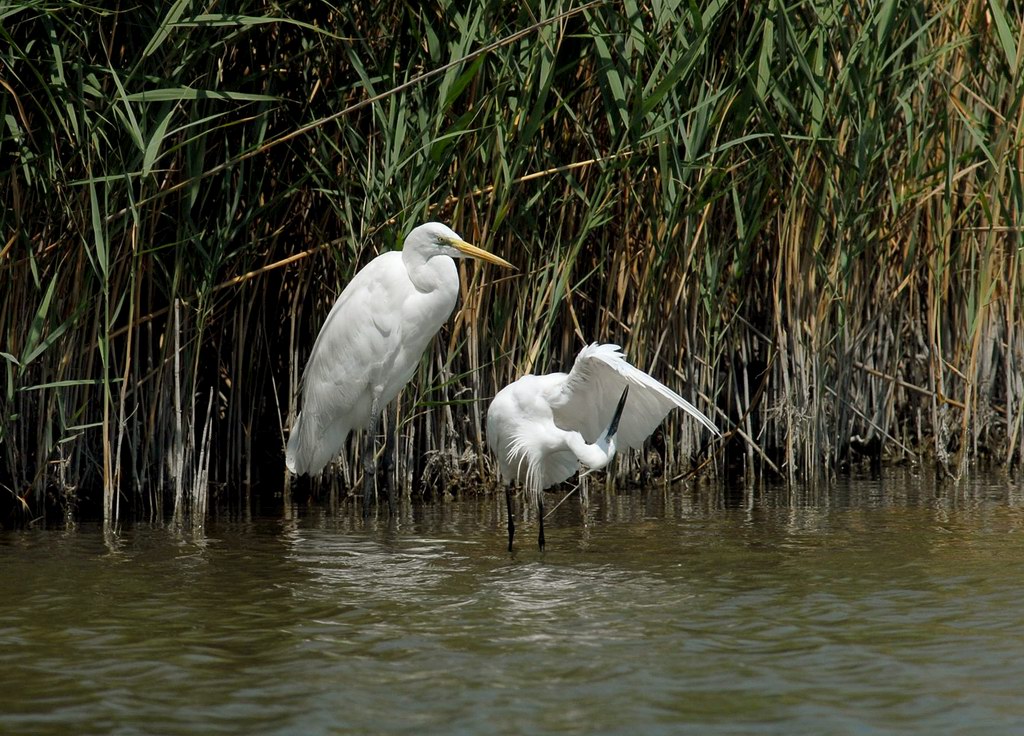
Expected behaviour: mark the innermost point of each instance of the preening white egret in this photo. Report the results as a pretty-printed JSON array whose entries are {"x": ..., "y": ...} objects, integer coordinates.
[
  {"x": 371, "y": 343},
  {"x": 543, "y": 428}
]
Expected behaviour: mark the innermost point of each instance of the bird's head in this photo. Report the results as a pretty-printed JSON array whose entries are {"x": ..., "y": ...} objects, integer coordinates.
[{"x": 433, "y": 238}]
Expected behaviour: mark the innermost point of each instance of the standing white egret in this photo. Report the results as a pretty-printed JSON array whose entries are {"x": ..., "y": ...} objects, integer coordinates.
[
  {"x": 371, "y": 343},
  {"x": 543, "y": 428}
]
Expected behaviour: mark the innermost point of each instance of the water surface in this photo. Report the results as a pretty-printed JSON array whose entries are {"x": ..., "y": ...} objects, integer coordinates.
[{"x": 876, "y": 606}]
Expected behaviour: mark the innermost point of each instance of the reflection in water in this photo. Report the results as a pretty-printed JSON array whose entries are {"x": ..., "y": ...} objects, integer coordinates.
[{"x": 880, "y": 605}]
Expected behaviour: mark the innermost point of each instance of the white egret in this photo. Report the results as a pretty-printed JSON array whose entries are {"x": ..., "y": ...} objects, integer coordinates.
[
  {"x": 371, "y": 343},
  {"x": 542, "y": 429}
]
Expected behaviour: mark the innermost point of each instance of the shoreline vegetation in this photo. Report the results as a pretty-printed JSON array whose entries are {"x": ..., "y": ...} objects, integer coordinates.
[{"x": 804, "y": 217}]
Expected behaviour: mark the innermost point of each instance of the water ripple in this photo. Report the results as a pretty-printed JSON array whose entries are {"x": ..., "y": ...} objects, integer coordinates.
[{"x": 852, "y": 613}]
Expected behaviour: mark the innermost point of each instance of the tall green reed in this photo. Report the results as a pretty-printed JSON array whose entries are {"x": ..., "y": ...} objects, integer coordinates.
[{"x": 804, "y": 216}]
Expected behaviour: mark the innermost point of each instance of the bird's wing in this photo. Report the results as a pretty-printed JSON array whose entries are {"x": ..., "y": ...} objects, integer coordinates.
[
  {"x": 590, "y": 392},
  {"x": 523, "y": 437},
  {"x": 352, "y": 343},
  {"x": 349, "y": 353}
]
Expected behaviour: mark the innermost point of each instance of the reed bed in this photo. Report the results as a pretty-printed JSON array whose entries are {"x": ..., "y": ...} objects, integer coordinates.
[{"x": 805, "y": 216}]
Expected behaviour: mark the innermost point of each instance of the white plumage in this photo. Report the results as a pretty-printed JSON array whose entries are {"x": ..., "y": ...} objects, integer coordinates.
[
  {"x": 372, "y": 340},
  {"x": 542, "y": 429}
]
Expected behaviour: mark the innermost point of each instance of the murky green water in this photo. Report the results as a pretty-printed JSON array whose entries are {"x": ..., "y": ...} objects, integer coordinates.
[{"x": 876, "y": 607}]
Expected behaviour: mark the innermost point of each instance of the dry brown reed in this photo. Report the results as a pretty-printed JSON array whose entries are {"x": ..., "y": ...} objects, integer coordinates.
[{"x": 805, "y": 217}]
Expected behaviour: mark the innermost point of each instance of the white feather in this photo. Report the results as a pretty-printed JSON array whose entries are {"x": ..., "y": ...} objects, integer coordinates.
[
  {"x": 531, "y": 422},
  {"x": 372, "y": 340}
]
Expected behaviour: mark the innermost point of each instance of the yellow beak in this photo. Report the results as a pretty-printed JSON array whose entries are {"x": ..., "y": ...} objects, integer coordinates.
[{"x": 480, "y": 254}]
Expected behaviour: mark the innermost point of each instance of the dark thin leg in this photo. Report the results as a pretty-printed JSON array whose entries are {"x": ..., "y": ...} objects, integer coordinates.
[
  {"x": 511, "y": 516},
  {"x": 369, "y": 463},
  {"x": 540, "y": 518},
  {"x": 388, "y": 461}
]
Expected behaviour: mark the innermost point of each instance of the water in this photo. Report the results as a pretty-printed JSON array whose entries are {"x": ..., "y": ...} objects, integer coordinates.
[{"x": 874, "y": 607}]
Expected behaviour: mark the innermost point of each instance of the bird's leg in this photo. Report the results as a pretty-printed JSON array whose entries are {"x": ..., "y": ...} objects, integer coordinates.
[
  {"x": 511, "y": 517},
  {"x": 369, "y": 462},
  {"x": 540, "y": 519},
  {"x": 388, "y": 461}
]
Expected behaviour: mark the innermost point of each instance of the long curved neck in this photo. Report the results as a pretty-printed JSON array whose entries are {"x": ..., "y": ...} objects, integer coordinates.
[
  {"x": 594, "y": 456},
  {"x": 428, "y": 274}
]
